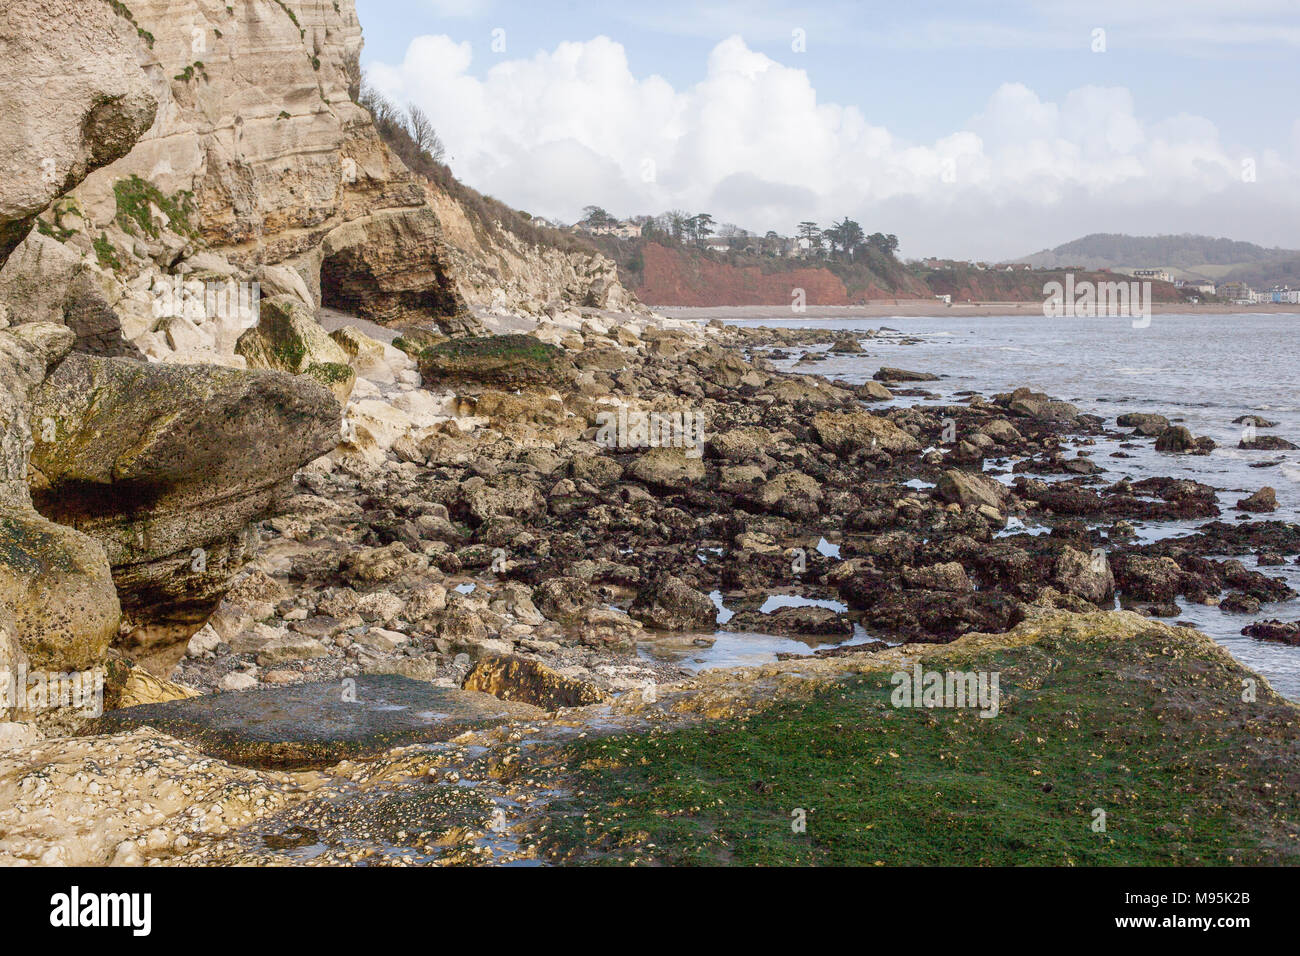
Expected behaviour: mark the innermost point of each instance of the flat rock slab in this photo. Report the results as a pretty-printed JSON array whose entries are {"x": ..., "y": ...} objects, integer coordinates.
[{"x": 313, "y": 725}]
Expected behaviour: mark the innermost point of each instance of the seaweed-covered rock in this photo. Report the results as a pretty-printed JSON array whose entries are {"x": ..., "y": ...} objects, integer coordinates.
[
  {"x": 497, "y": 361},
  {"x": 1264, "y": 500}
]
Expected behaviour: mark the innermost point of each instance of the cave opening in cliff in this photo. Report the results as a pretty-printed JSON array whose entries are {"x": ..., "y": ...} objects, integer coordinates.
[{"x": 349, "y": 284}]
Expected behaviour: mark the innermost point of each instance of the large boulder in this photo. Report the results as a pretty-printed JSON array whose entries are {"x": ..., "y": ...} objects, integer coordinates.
[
  {"x": 47, "y": 281},
  {"x": 1144, "y": 578},
  {"x": 847, "y": 432},
  {"x": 1030, "y": 404},
  {"x": 1262, "y": 501},
  {"x": 887, "y": 374},
  {"x": 287, "y": 338},
  {"x": 563, "y": 598},
  {"x": 667, "y": 468},
  {"x": 56, "y": 583},
  {"x": 495, "y": 361},
  {"x": 1144, "y": 423},
  {"x": 75, "y": 99},
  {"x": 670, "y": 604},
  {"x": 167, "y": 467},
  {"x": 792, "y": 494},
  {"x": 27, "y": 354},
  {"x": 740, "y": 444},
  {"x": 971, "y": 490},
  {"x": 1177, "y": 438},
  {"x": 390, "y": 267},
  {"x": 57, "y": 600},
  {"x": 1086, "y": 575}
]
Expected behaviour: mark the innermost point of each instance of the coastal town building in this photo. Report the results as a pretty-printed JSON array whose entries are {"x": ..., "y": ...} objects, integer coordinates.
[
  {"x": 1236, "y": 292},
  {"x": 626, "y": 229}
]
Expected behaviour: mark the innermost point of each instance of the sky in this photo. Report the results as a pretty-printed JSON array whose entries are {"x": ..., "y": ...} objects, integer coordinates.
[{"x": 967, "y": 129}]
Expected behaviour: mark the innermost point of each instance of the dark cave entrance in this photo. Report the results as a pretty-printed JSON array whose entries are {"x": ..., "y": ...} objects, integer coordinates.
[{"x": 349, "y": 283}]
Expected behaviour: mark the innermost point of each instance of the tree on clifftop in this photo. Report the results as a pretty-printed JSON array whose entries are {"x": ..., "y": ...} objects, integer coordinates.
[
  {"x": 700, "y": 227},
  {"x": 847, "y": 234},
  {"x": 809, "y": 232},
  {"x": 594, "y": 217},
  {"x": 884, "y": 244}
]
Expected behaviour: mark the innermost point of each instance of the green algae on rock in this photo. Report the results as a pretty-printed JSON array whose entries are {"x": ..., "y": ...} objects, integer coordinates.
[
  {"x": 1188, "y": 756},
  {"x": 500, "y": 361}
]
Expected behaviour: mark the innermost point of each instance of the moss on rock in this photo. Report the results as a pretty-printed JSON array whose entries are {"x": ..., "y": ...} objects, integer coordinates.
[{"x": 508, "y": 361}]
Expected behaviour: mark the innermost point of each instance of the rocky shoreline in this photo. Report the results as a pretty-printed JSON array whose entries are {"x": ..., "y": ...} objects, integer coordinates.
[
  {"x": 471, "y": 532},
  {"x": 357, "y": 569}
]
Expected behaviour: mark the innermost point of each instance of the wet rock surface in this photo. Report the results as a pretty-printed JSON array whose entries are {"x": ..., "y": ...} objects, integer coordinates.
[{"x": 318, "y": 724}]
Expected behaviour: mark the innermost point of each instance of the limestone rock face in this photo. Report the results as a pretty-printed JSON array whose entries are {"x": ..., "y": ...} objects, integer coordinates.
[
  {"x": 75, "y": 99},
  {"x": 167, "y": 466},
  {"x": 389, "y": 268},
  {"x": 262, "y": 167},
  {"x": 501, "y": 271}
]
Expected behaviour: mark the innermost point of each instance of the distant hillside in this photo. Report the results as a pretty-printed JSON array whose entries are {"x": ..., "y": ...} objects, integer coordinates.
[
  {"x": 1265, "y": 275},
  {"x": 1185, "y": 256}
]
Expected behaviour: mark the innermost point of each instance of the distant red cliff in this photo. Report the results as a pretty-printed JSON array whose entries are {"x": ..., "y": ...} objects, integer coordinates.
[
  {"x": 674, "y": 277},
  {"x": 671, "y": 277}
]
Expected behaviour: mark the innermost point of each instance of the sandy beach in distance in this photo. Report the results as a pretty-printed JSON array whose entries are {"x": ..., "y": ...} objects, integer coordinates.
[{"x": 916, "y": 308}]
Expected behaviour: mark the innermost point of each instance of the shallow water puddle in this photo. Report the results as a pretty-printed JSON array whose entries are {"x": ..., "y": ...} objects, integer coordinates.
[
  {"x": 777, "y": 601},
  {"x": 735, "y": 648},
  {"x": 700, "y": 651}
]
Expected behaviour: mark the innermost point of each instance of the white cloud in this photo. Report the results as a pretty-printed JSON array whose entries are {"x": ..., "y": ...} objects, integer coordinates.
[{"x": 752, "y": 144}]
